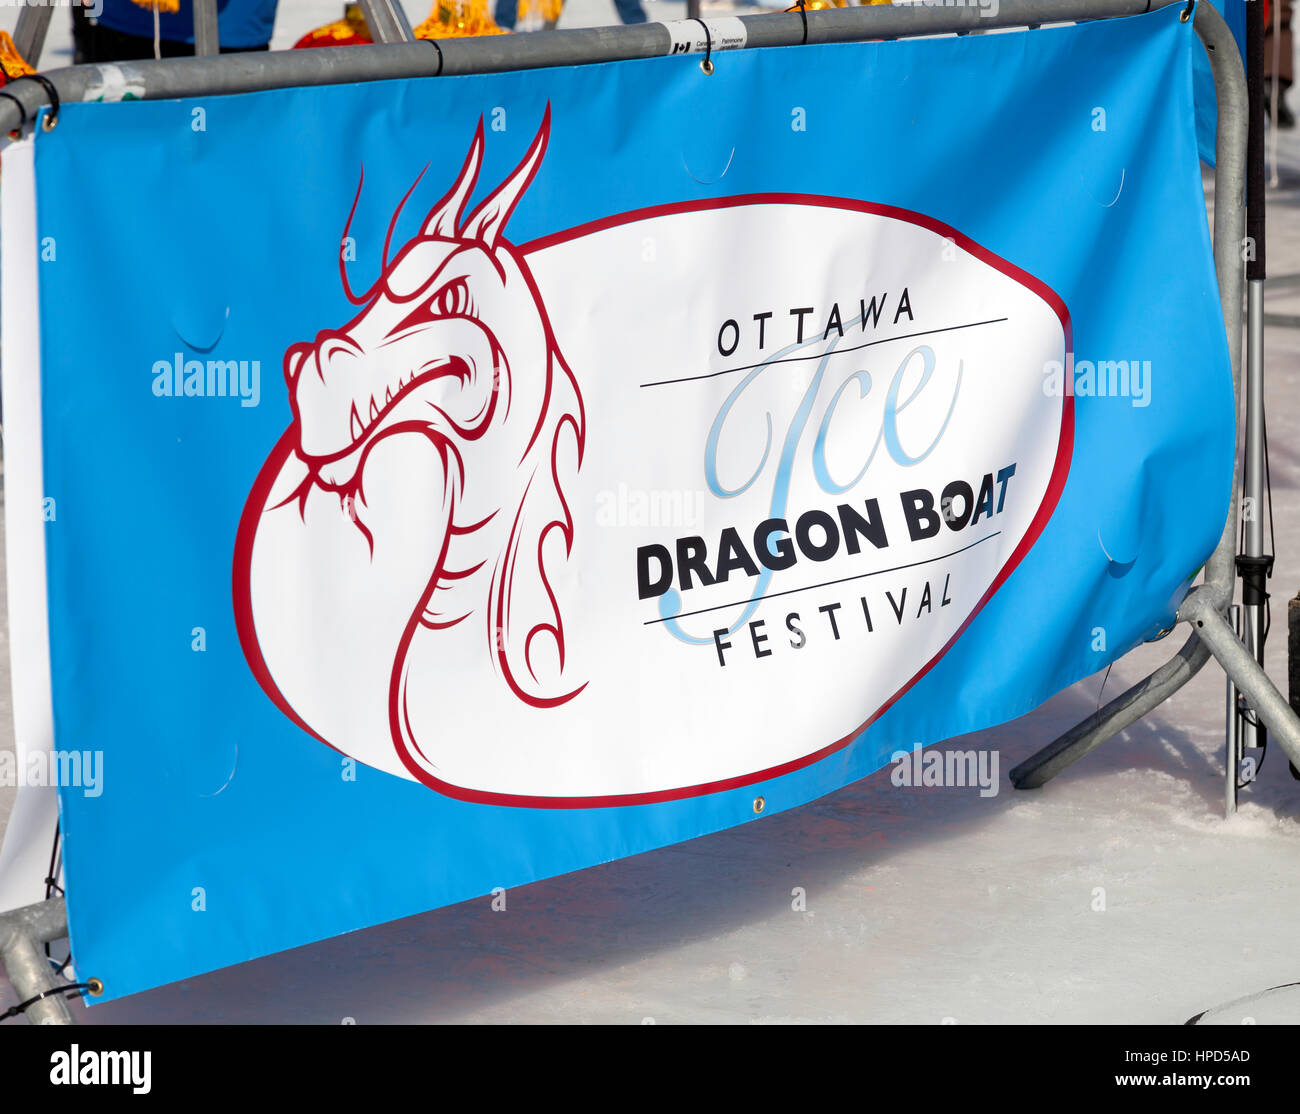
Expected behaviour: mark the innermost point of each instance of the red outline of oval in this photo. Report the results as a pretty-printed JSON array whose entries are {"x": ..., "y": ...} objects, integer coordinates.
[{"x": 270, "y": 470}]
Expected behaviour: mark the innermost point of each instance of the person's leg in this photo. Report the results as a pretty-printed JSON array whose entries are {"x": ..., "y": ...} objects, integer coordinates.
[
  {"x": 80, "y": 36},
  {"x": 93, "y": 42},
  {"x": 630, "y": 11},
  {"x": 1278, "y": 38},
  {"x": 1286, "y": 62}
]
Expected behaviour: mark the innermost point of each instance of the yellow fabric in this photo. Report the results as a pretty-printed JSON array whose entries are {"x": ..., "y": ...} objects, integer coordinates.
[
  {"x": 167, "y": 7},
  {"x": 545, "y": 10},
  {"x": 453, "y": 18}
]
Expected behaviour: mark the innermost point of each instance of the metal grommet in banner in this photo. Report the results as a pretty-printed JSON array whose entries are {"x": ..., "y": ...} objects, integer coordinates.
[
  {"x": 95, "y": 986},
  {"x": 759, "y": 804},
  {"x": 50, "y": 122},
  {"x": 707, "y": 65},
  {"x": 1186, "y": 13}
]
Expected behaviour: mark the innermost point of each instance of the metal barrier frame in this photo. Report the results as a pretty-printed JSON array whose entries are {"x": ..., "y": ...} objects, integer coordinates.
[
  {"x": 1205, "y": 606},
  {"x": 22, "y": 932}
]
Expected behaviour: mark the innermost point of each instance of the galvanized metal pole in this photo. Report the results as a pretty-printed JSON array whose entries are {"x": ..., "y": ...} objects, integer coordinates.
[
  {"x": 1253, "y": 565},
  {"x": 22, "y": 932},
  {"x": 1202, "y": 610},
  {"x": 29, "y": 32},
  {"x": 387, "y": 21},
  {"x": 1232, "y": 729},
  {"x": 207, "y": 40},
  {"x": 256, "y": 72}
]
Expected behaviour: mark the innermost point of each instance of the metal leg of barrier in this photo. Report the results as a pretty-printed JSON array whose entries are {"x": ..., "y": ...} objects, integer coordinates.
[
  {"x": 1252, "y": 564},
  {"x": 22, "y": 932},
  {"x": 207, "y": 40},
  {"x": 1233, "y": 730},
  {"x": 1120, "y": 713},
  {"x": 1217, "y": 590},
  {"x": 29, "y": 32},
  {"x": 387, "y": 21},
  {"x": 1239, "y": 663}
]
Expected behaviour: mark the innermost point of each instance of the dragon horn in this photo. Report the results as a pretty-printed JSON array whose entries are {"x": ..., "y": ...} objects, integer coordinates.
[
  {"x": 488, "y": 221},
  {"x": 445, "y": 216}
]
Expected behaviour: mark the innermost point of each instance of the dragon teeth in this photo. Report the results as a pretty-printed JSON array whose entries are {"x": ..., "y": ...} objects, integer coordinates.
[
  {"x": 374, "y": 410},
  {"x": 357, "y": 429}
]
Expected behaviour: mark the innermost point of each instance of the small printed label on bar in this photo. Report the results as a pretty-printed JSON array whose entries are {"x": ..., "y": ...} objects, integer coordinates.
[{"x": 693, "y": 36}]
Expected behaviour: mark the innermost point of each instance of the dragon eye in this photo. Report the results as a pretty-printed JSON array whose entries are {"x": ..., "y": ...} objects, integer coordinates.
[{"x": 452, "y": 300}]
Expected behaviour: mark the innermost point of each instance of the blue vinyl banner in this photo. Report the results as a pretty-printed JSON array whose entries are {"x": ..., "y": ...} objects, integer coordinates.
[{"x": 456, "y": 482}]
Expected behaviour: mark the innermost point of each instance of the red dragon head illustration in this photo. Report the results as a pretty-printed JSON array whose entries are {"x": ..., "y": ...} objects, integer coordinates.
[{"x": 417, "y": 493}]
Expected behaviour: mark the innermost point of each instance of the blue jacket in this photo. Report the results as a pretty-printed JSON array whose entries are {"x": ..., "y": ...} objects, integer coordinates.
[{"x": 242, "y": 23}]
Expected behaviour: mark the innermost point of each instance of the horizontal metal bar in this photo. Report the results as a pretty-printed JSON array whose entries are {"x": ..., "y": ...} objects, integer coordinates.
[
  {"x": 251, "y": 72},
  {"x": 45, "y": 921}
]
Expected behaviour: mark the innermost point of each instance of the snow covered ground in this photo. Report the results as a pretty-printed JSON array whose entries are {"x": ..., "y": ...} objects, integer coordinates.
[{"x": 1116, "y": 893}]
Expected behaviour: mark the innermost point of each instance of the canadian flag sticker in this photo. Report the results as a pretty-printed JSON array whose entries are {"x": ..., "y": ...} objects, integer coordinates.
[{"x": 665, "y": 504}]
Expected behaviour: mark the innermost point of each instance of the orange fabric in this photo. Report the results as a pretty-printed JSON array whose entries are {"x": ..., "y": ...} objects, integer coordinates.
[
  {"x": 169, "y": 7},
  {"x": 546, "y": 11},
  {"x": 448, "y": 19},
  {"x": 12, "y": 64},
  {"x": 453, "y": 18}
]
